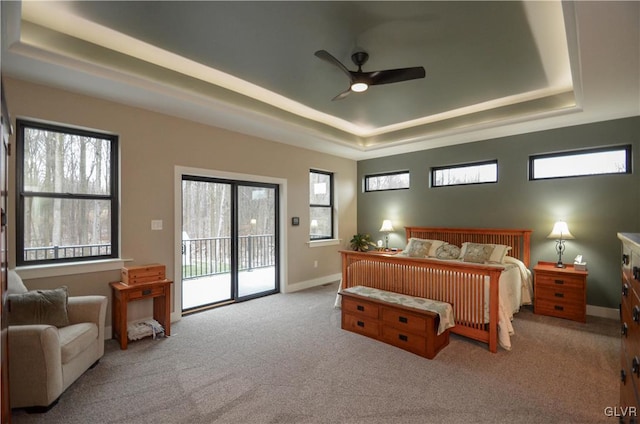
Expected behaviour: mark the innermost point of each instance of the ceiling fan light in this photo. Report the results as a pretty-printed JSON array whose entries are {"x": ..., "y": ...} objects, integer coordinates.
[{"x": 359, "y": 87}]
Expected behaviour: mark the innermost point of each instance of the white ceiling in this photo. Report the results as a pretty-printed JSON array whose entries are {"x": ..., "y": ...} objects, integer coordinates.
[{"x": 493, "y": 68}]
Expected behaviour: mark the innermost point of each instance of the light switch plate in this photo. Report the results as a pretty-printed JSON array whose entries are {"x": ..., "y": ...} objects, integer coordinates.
[{"x": 156, "y": 224}]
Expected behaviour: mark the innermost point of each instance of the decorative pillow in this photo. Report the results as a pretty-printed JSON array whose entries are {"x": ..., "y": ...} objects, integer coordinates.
[
  {"x": 39, "y": 307},
  {"x": 477, "y": 253},
  {"x": 499, "y": 252},
  {"x": 448, "y": 251},
  {"x": 435, "y": 244},
  {"x": 417, "y": 248},
  {"x": 431, "y": 252}
]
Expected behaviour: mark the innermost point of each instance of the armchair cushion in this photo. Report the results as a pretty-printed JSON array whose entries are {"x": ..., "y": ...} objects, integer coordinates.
[
  {"x": 75, "y": 339},
  {"x": 39, "y": 307}
]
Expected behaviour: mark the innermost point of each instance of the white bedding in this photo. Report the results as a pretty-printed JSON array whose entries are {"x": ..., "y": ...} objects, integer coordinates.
[{"x": 516, "y": 289}]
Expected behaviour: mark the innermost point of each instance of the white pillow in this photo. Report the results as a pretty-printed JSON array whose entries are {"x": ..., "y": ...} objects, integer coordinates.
[{"x": 14, "y": 283}]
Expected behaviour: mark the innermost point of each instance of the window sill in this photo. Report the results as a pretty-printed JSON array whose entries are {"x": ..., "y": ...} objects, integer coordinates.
[
  {"x": 322, "y": 243},
  {"x": 29, "y": 272}
]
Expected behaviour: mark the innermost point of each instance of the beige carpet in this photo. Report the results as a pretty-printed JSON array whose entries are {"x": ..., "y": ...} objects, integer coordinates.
[{"x": 284, "y": 359}]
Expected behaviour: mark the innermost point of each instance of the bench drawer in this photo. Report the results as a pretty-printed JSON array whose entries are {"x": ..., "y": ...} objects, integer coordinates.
[
  {"x": 403, "y": 320},
  {"x": 404, "y": 340},
  {"x": 362, "y": 325},
  {"x": 360, "y": 307}
]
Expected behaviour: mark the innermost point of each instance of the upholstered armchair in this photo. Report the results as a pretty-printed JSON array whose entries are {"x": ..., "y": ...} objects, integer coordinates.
[{"x": 48, "y": 351}]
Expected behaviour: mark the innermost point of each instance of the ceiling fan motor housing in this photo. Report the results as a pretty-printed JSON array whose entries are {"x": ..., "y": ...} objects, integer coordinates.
[{"x": 360, "y": 58}]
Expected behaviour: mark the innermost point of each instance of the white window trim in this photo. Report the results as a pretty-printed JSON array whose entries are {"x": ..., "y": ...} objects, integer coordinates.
[
  {"x": 324, "y": 242},
  {"x": 29, "y": 272}
]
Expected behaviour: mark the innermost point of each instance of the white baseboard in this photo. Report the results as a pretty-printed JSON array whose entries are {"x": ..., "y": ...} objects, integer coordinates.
[
  {"x": 311, "y": 283},
  {"x": 601, "y": 311}
]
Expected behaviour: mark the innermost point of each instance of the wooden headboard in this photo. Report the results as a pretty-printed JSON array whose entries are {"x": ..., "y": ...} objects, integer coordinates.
[{"x": 519, "y": 240}]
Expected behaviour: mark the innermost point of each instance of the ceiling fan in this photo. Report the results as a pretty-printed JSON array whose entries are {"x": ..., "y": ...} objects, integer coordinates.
[{"x": 360, "y": 81}]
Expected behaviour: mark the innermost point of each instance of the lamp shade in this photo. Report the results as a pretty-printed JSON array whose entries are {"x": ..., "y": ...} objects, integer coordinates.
[
  {"x": 387, "y": 227},
  {"x": 560, "y": 231}
]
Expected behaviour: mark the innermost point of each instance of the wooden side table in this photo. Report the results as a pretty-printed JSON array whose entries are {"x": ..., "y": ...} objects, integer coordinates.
[
  {"x": 560, "y": 292},
  {"x": 160, "y": 291}
]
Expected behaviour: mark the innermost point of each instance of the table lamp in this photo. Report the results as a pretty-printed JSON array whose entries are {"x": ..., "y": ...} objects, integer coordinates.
[
  {"x": 386, "y": 228},
  {"x": 560, "y": 232}
]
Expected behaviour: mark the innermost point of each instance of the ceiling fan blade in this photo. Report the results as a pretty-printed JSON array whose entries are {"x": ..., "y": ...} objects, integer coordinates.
[
  {"x": 342, "y": 95},
  {"x": 395, "y": 75},
  {"x": 326, "y": 56}
]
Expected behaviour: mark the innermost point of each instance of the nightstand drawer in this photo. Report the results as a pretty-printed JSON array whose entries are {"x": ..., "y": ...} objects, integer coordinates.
[
  {"x": 560, "y": 294},
  {"x": 559, "y": 281},
  {"x": 571, "y": 311},
  {"x": 360, "y": 307},
  {"x": 146, "y": 292}
]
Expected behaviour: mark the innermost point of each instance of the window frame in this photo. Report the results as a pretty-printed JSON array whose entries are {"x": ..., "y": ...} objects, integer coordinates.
[
  {"x": 329, "y": 206},
  {"x": 21, "y": 194},
  {"x": 434, "y": 169},
  {"x": 385, "y": 174},
  {"x": 566, "y": 153}
]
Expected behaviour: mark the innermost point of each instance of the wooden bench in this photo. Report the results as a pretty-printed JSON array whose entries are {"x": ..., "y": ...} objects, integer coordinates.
[{"x": 407, "y": 322}]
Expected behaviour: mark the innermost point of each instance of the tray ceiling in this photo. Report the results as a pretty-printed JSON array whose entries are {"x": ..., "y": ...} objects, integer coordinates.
[{"x": 250, "y": 66}]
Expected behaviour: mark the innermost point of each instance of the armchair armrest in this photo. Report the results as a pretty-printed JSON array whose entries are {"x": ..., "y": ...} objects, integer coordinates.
[
  {"x": 88, "y": 309},
  {"x": 34, "y": 355}
]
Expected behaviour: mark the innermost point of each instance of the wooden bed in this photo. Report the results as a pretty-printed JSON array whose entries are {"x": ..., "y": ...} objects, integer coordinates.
[{"x": 470, "y": 288}]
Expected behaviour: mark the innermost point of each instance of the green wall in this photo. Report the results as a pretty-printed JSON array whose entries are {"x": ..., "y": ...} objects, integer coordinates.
[{"x": 596, "y": 208}]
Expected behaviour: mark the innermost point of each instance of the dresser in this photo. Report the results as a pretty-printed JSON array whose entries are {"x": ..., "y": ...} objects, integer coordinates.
[
  {"x": 560, "y": 292},
  {"x": 630, "y": 328}
]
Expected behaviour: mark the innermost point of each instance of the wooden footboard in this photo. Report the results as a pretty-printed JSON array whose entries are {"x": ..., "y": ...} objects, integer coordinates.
[{"x": 462, "y": 285}]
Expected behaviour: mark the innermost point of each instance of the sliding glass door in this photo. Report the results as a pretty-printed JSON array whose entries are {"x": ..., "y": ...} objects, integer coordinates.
[
  {"x": 229, "y": 241},
  {"x": 257, "y": 241}
]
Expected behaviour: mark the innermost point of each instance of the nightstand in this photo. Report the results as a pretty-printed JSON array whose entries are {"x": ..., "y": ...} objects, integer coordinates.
[
  {"x": 159, "y": 291},
  {"x": 560, "y": 292}
]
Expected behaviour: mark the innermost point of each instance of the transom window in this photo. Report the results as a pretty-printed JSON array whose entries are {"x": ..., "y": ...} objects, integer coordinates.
[
  {"x": 469, "y": 173},
  {"x": 67, "y": 188},
  {"x": 320, "y": 205},
  {"x": 608, "y": 160},
  {"x": 387, "y": 181}
]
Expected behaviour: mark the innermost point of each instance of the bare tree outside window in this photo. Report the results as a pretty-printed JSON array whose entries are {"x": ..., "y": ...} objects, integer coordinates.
[
  {"x": 68, "y": 199},
  {"x": 389, "y": 181},
  {"x": 473, "y": 173},
  {"x": 609, "y": 160}
]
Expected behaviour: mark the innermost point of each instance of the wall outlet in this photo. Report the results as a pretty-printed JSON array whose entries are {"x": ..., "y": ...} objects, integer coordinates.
[
  {"x": 315, "y": 264},
  {"x": 156, "y": 224}
]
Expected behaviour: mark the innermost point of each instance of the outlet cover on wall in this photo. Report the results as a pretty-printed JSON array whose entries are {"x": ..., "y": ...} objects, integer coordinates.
[{"x": 156, "y": 224}]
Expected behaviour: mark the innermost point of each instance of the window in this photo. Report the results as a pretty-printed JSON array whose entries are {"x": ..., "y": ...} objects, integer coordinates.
[
  {"x": 67, "y": 206},
  {"x": 470, "y": 173},
  {"x": 609, "y": 160},
  {"x": 388, "y": 181},
  {"x": 320, "y": 205}
]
